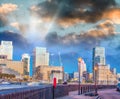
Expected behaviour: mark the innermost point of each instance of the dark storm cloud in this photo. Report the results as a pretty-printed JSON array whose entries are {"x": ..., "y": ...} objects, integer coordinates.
[
  {"x": 71, "y": 10},
  {"x": 18, "y": 40},
  {"x": 103, "y": 31},
  {"x": 73, "y": 39}
]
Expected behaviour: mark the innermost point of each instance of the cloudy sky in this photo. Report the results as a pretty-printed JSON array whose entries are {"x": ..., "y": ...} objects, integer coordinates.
[{"x": 69, "y": 27}]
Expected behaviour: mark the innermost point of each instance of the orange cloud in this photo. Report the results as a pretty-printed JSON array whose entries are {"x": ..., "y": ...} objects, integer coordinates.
[
  {"x": 15, "y": 24},
  {"x": 113, "y": 14},
  {"x": 66, "y": 22},
  {"x": 7, "y": 8}
]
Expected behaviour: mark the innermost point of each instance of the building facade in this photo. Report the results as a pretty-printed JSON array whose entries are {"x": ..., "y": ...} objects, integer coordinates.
[
  {"x": 6, "y": 49},
  {"x": 41, "y": 56},
  {"x": 6, "y": 70},
  {"x": 105, "y": 76},
  {"x": 16, "y": 66},
  {"x": 26, "y": 61},
  {"x": 102, "y": 73},
  {"x": 82, "y": 68},
  {"x": 66, "y": 77},
  {"x": 47, "y": 73},
  {"x": 99, "y": 56}
]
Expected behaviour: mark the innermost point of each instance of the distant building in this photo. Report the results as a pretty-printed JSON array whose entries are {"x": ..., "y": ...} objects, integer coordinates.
[
  {"x": 66, "y": 76},
  {"x": 102, "y": 72},
  {"x": 82, "y": 68},
  {"x": 71, "y": 76},
  {"x": 41, "y": 56},
  {"x": 113, "y": 70},
  {"x": 86, "y": 75},
  {"x": 47, "y": 73},
  {"x": 6, "y": 70},
  {"x": 6, "y": 49},
  {"x": 90, "y": 76},
  {"x": 76, "y": 76},
  {"x": 26, "y": 61},
  {"x": 58, "y": 74},
  {"x": 118, "y": 77},
  {"x": 98, "y": 56},
  {"x": 104, "y": 75},
  {"x": 16, "y": 66}
]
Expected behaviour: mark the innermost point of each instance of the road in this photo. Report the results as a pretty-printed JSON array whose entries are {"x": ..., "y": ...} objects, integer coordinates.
[
  {"x": 109, "y": 94},
  {"x": 12, "y": 88}
]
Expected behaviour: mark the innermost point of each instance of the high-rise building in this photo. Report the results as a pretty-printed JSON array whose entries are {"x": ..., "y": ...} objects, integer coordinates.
[
  {"x": 82, "y": 67},
  {"x": 26, "y": 61},
  {"x": 99, "y": 56},
  {"x": 41, "y": 56},
  {"x": 102, "y": 73},
  {"x": 6, "y": 49}
]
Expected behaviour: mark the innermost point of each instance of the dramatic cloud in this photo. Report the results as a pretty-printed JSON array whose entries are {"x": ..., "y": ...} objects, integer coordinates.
[
  {"x": 107, "y": 27},
  {"x": 6, "y": 9},
  {"x": 69, "y": 12},
  {"x": 113, "y": 14},
  {"x": 23, "y": 28},
  {"x": 16, "y": 25},
  {"x": 3, "y": 21},
  {"x": 18, "y": 40},
  {"x": 88, "y": 39}
]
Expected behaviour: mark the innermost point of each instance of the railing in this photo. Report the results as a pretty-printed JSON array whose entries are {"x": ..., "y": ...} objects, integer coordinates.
[{"x": 47, "y": 92}]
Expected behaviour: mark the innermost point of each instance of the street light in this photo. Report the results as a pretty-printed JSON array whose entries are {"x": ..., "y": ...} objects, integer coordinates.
[
  {"x": 95, "y": 71},
  {"x": 79, "y": 65}
]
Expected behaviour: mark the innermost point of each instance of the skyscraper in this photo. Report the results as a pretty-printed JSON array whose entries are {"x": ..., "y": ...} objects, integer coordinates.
[
  {"x": 26, "y": 60},
  {"x": 82, "y": 68},
  {"x": 6, "y": 49},
  {"x": 99, "y": 56},
  {"x": 41, "y": 56}
]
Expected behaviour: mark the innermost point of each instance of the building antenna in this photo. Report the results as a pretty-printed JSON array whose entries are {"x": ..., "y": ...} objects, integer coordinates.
[{"x": 60, "y": 59}]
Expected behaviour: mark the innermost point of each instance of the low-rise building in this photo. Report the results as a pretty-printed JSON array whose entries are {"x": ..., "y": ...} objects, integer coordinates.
[
  {"x": 16, "y": 66},
  {"x": 104, "y": 75},
  {"x": 47, "y": 73},
  {"x": 118, "y": 77},
  {"x": 66, "y": 76}
]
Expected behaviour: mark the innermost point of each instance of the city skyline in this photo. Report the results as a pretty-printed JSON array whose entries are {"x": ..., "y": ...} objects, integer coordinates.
[
  {"x": 70, "y": 27},
  {"x": 98, "y": 58}
]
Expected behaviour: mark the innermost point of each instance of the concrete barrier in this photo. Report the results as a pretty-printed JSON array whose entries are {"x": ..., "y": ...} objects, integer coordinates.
[{"x": 47, "y": 92}]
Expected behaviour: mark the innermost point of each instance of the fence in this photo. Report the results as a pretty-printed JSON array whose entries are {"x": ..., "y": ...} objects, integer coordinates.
[{"x": 47, "y": 92}]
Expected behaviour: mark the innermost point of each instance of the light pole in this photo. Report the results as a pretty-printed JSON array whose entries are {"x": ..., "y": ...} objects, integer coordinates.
[
  {"x": 79, "y": 65},
  {"x": 95, "y": 70},
  {"x": 107, "y": 80}
]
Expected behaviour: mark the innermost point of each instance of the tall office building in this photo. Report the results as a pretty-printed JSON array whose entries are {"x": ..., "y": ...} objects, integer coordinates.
[
  {"x": 99, "y": 56},
  {"x": 6, "y": 49},
  {"x": 41, "y": 56},
  {"x": 26, "y": 61},
  {"x": 82, "y": 68}
]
